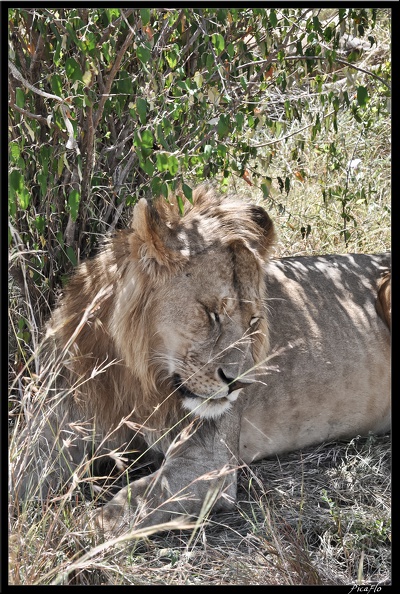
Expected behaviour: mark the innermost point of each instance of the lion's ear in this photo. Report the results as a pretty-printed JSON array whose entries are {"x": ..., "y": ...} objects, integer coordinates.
[
  {"x": 154, "y": 243},
  {"x": 266, "y": 227}
]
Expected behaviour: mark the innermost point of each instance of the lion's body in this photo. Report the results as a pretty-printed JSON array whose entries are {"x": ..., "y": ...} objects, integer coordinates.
[
  {"x": 181, "y": 318},
  {"x": 332, "y": 356}
]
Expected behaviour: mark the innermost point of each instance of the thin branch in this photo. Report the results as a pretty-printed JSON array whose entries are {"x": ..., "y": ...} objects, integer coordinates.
[
  {"x": 111, "y": 76},
  {"x": 113, "y": 25},
  {"x": 16, "y": 74},
  {"x": 166, "y": 32},
  {"x": 289, "y": 135},
  {"x": 281, "y": 46},
  {"x": 41, "y": 119},
  {"x": 337, "y": 60}
]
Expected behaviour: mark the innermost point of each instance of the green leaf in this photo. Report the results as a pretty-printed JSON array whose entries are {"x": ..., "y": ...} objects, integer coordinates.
[
  {"x": 91, "y": 41},
  {"x": 162, "y": 162},
  {"x": 42, "y": 179},
  {"x": 39, "y": 223},
  {"x": 167, "y": 126},
  {"x": 188, "y": 192},
  {"x": 243, "y": 83},
  {"x": 210, "y": 62},
  {"x": 56, "y": 85},
  {"x": 316, "y": 24},
  {"x": 147, "y": 165},
  {"x": 72, "y": 36},
  {"x": 145, "y": 16},
  {"x": 17, "y": 186},
  {"x": 73, "y": 70},
  {"x": 24, "y": 198},
  {"x": 12, "y": 204},
  {"x": 14, "y": 151},
  {"x": 272, "y": 18},
  {"x": 71, "y": 255},
  {"x": 141, "y": 106},
  {"x": 181, "y": 206},
  {"x": 73, "y": 203},
  {"x": 124, "y": 83},
  {"x": 173, "y": 165},
  {"x": 172, "y": 59},
  {"x": 144, "y": 54},
  {"x": 105, "y": 50},
  {"x": 161, "y": 138},
  {"x": 230, "y": 50},
  {"x": 239, "y": 117},
  {"x": 362, "y": 96},
  {"x": 164, "y": 189},
  {"x": 155, "y": 186},
  {"x": 218, "y": 42},
  {"x": 222, "y": 150},
  {"x": 111, "y": 13},
  {"x": 147, "y": 139},
  {"x": 20, "y": 97},
  {"x": 223, "y": 125}
]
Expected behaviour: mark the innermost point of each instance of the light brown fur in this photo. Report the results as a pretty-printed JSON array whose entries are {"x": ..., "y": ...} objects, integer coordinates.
[
  {"x": 172, "y": 316},
  {"x": 384, "y": 299}
]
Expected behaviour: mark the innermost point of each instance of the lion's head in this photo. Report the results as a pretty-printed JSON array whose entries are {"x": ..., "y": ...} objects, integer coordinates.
[{"x": 177, "y": 302}]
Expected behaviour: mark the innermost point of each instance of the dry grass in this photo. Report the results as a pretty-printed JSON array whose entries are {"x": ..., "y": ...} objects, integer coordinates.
[{"x": 321, "y": 516}]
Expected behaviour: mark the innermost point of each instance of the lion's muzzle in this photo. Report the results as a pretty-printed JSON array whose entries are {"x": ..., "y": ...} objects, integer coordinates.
[{"x": 210, "y": 405}]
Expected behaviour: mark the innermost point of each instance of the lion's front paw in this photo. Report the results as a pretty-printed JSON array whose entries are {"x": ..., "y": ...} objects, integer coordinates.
[
  {"x": 125, "y": 512},
  {"x": 109, "y": 521},
  {"x": 115, "y": 518}
]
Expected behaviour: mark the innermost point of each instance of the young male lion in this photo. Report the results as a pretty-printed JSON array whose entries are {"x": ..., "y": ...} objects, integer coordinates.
[{"x": 182, "y": 338}]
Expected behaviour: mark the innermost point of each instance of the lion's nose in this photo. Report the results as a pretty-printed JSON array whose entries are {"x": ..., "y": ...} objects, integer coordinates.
[{"x": 234, "y": 384}]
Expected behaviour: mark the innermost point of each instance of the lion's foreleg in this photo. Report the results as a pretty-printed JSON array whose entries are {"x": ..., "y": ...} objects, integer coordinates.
[{"x": 196, "y": 477}]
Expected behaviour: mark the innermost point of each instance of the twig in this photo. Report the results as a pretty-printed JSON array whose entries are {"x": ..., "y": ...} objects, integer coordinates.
[
  {"x": 113, "y": 25},
  {"x": 16, "y": 74},
  {"x": 71, "y": 143},
  {"x": 166, "y": 32},
  {"x": 41, "y": 119},
  {"x": 111, "y": 76},
  {"x": 338, "y": 60},
  {"x": 289, "y": 135},
  {"x": 281, "y": 46}
]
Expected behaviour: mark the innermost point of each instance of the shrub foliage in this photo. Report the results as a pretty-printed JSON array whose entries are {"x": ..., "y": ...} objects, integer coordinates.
[{"x": 109, "y": 104}]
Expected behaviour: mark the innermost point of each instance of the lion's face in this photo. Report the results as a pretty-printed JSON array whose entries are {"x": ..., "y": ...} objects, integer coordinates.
[
  {"x": 207, "y": 317},
  {"x": 193, "y": 300}
]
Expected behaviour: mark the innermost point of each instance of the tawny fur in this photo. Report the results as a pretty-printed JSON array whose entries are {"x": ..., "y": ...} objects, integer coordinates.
[
  {"x": 120, "y": 327},
  {"x": 172, "y": 320},
  {"x": 384, "y": 299}
]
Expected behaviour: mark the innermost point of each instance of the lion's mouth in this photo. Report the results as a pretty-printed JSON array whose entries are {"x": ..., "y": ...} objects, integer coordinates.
[
  {"x": 181, "y": 388},
  {"x": 205, "y": 406}
]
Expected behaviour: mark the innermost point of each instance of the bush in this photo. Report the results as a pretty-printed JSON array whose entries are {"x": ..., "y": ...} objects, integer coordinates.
[
  {"x": 109, "y": 104},
  {"x": 290, "y": 106}
]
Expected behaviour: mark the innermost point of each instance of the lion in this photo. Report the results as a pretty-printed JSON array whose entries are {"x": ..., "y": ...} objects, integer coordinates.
[{"x": 184, "y": 340}]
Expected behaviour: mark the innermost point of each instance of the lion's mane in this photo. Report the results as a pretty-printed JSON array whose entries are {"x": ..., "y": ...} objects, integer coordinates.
[{"x": 103, "y": 333}]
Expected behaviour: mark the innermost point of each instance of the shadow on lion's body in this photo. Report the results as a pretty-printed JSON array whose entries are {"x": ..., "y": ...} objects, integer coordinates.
[{"x": 181, "y": 338}]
